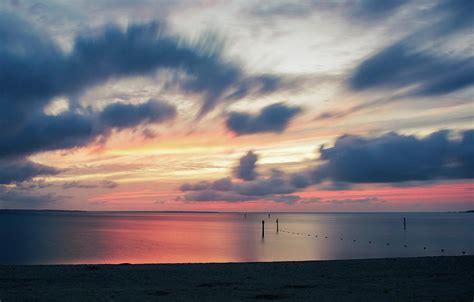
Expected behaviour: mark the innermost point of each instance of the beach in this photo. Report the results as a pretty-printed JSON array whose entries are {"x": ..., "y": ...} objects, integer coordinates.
[{"x": 391, "y": 279}]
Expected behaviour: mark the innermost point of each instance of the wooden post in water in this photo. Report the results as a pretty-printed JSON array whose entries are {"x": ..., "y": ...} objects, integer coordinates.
[
  {"x": 277, "y": 225},
  {"x": 268, "y": 215},
  {"x": 263, "y": 228},
  {"x": 404, "y": 223}
]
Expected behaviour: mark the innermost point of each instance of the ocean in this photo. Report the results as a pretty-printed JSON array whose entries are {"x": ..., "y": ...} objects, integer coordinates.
[{"x": 62, "y": 237}]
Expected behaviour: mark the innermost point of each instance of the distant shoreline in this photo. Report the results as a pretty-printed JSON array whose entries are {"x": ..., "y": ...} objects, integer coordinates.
[
  {"x": 213, "y": 212},
  {"x": 391, "y": 279}
]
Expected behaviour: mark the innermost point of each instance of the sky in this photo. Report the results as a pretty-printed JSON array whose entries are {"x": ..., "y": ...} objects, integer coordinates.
[{"x": 298, "y": 106}]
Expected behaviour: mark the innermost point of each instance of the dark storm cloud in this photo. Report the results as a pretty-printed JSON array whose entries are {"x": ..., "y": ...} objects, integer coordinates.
[
  {"x": 394, "y": 158},
  {"x": 246, "y": 168},
  {"x": 273, "y": 118},
  {"x": 19, "y": 170}
]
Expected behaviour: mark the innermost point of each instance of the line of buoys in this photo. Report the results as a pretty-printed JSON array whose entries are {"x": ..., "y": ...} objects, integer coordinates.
[{"x": 370, "y": 241}]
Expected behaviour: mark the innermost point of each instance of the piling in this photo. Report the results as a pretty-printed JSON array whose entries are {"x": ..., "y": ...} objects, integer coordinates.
[
  {"x": 263, "y": 228},
  {"x": 277, "y": 225},
  {"x": 404, "y": 223}
]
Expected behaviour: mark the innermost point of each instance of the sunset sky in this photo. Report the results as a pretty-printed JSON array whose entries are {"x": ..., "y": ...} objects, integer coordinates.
[{"x": 344, "y": 105}]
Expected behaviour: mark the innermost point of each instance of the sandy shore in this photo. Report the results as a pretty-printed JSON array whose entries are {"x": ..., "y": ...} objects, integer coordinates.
[{"x": 409, "y": 279}]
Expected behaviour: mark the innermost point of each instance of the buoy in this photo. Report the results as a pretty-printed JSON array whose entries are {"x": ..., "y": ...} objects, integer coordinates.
[
  {"x": 463, "y": 252},
  {"x": 370, "y": 241},
  {"x": 405, "y": 245},
  {"x": 388, "y": 243},
  {"x": 442, "y": 250},
  {"x": 424, "y": 247},
  {"x": 354, "y": 240}
]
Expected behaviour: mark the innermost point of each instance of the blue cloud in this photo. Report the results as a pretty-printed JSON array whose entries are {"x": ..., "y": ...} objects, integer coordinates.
[
  {"x": 273, "y": 118},
  {"x": 19, "y": 170},
  {"x": 393, "y": 158},
  {"x": 413, "y": 62},
  {"x": 245, "y": 170}
]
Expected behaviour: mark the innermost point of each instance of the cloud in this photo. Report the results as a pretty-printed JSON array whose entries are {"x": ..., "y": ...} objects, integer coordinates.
[
  {"x": 11, "y": 197},
  {"x": 19, "y": 170},
  {"x": 400, "y": 65},
  {"x": 71, "y": 129},
  {"x": 394, "y": 158},
  {"x": 355, "y": 200},
  {"x": 246, "y": 168},
  {"x": 369, "y": 10},
  {"x": 109, "y": 184},
  {"x": 457, "y": 15},
  {"x": 30, "y": 56},
  {"x": 374, "y": 9},
  {"x": 391, "y": 158},
  {"x": 106, "y": 184},
  {"x": 121, "y": 116},
  {"x": 288, "y": 199},
  {"x": 34, "y": 70},
  {"x": 273, "y": 118},
  {"x": 276, "y": 184},
  {"x": 416, "y": 62},
  {"x": 210, "y": 195},
  {"x": 77, "y": 185}
]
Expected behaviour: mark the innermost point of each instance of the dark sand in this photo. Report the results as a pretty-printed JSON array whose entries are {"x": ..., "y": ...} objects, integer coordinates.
[{"x": 408, "y": 279}]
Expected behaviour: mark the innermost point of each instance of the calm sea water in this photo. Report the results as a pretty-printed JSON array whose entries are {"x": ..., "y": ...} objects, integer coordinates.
[{"x": 135, "y": 237}]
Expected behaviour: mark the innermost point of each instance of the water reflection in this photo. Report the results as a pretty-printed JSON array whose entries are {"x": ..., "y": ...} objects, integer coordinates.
[{"x": 121, "y": 237}]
